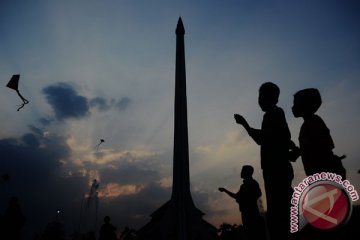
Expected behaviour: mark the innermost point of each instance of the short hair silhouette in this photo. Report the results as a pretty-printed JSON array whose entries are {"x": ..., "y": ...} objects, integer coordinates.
[
  {"x": 309, "y": 100},
  {"x": 316, "y": 143},
  {"x": 247, "y": 197},
  {"x": 107, "y": 230},
  {"x": 106, "y": 219},
  {"x": 247, "y": 171},
  {"x": 270, "y": 90},
  {"x": 274, "y": 139}
]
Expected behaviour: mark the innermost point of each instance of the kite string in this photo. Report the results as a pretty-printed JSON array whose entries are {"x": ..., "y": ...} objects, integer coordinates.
[{"x": 23, "y": 99}]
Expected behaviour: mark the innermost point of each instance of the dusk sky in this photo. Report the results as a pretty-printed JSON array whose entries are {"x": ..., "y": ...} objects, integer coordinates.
[{"x": 105, "y": 69}]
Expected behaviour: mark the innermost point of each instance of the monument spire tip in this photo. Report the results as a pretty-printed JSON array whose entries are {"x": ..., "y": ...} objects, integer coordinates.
[{"x": 180, "y": 30}]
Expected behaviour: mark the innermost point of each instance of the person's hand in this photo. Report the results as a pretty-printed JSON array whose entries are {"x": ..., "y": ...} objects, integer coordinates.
[
  {"x": 292, "y": 145},
  {"x": 240, "y": 120},
  {"x": 294, "y": 153},
  {"x": 222, "y": 189}
]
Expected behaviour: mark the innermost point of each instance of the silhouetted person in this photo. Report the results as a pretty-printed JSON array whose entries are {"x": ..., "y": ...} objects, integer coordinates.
[
  {"x": 247, "y": 198},
  {"x": 13, "y": 221},
  {"x": 316, "y": 144},
  {"x": 275, "y": 143},
  {"x": 107, "y": 230},
  {"x": 5, "y": 177}
]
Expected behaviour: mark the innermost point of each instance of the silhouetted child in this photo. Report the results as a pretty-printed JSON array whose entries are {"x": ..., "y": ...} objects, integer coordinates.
[
  {"x": 107, "y": 230},
  {"x": 316, "y": 144},
  {"x": 247, "y": 198},
  {"x": 13, "y": 221},
  {"x": 275, "y": 143}
]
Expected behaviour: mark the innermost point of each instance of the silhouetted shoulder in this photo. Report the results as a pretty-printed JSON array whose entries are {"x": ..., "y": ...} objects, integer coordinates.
[{"x": 314, "y": 132}]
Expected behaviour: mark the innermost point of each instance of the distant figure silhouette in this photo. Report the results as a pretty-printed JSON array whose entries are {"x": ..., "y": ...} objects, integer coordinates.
[
  {"x": 275, "y": 141},
  {"x": 13, "y": 221},
  {"x": 5, "y": 177},
  {"x": 107, "y": 230},
  {"x": 247, "y": 198},
  {"x": 316, "y": 144}
]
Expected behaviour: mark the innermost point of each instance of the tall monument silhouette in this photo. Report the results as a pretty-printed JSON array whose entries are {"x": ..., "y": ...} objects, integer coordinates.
[{"x": 179, "y": 219}]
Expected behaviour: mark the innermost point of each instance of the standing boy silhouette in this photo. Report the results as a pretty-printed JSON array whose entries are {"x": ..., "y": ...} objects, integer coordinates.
[
  {"x": 275, "y": 141},
  {"x": 316, "y": 144},
  {"x": 247, "y": 198},
  {"x": 107, "y": 230}
]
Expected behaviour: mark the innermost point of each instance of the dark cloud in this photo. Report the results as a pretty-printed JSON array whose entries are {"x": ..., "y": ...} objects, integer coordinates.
[
  {"x": 123, "y": 103},
  {"x": 36, "y": 130},
  {"x": 134, "y": 210},
  {"x": 66, "y": 102},
  {"x": 100, "y": 103},
  {"x": 46, "y": 121},
  {"x": 36, "y": 176},
  {"x": 31, "y": 140},
  {"x": 103, "y": 104}
]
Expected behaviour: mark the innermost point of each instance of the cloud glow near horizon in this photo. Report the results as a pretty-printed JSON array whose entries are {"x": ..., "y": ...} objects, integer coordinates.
[{"x": 105, "y": 69}]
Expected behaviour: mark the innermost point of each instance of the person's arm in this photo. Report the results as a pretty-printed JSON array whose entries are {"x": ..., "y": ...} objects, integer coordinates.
[
  {"x": 231, "y": 194},
  {"x": 294, "y": 151},
  {"x": 255, "y": 134}
]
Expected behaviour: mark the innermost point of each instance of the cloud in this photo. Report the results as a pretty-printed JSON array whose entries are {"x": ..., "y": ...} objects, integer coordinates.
[
  {"x": 66, "y": 102},
  {"x": 33, "y": 155},
  {"x": 103, "y": 104},
  {"x": 100, "y": 103},
  {"x": 115, "y": 190},
  {"x": 123, "y": 103},
  {"x": 134, "y": 210},
  {"x": 131, "y": 185},
  {"x": 85, "y": 154},
  {"x": 36, "y": 164}
]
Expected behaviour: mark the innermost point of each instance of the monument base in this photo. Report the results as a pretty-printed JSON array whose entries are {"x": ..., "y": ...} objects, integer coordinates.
[{"x": 177, "y": 221}]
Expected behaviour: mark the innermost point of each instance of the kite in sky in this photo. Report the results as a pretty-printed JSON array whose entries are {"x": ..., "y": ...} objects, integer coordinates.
[{"x": 14, "y": 84}]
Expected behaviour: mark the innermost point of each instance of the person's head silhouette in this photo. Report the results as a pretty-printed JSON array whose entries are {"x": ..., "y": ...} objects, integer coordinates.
[
  {"x": 268, "y": 96},
  {"x": 246, "y": 172},
  {"x": 107, "y": 219},
  {"x": 306, "y": 102},
  {"x": 14, "y": 200}
]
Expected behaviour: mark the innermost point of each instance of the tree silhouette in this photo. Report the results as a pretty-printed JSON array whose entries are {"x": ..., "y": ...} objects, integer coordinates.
[{"x": 230, "y": 232}]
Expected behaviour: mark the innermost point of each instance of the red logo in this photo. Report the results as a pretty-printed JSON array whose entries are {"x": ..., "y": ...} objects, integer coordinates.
[{"x": 325, "y": 206}]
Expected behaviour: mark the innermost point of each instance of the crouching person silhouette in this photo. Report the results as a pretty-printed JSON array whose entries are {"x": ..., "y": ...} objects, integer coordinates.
[{"x": 247, "y": 198}]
